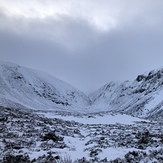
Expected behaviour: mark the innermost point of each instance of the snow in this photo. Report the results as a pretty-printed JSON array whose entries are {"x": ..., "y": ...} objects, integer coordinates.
[
  {"x": 113, "y": 153},
  {"x": 105, "y": 135},
  {"x": 35, "y": 154},
  {"x": 28, "y": 88},
  {"x": 105, "y": 119},
  {"x": 157, "y": 98},
  {"x": 37, "y": 90},
  {"x": 76, "y": 148},
  {"x": 77, "y": 145},
  {"x": 77, "y": 152}
]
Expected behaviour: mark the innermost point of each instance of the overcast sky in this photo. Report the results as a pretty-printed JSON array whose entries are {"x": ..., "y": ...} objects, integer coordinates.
[{"x": 86, "y": 43}]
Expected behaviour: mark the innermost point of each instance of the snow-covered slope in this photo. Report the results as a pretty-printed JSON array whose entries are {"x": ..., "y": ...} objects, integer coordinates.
[
  {"x": 143, "y": 97},
  {"x": 24, "y": 87}
]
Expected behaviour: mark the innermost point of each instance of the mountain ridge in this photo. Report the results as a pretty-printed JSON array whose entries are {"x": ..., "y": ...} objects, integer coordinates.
[
  {"x": 141, "y": 97},
  {"x": 28, "y": 88},
  {"x": 39, "y": 90}
]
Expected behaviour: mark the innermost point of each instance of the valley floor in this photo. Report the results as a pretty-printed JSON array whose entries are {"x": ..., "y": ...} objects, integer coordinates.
[{"x": 39, "y": 137}]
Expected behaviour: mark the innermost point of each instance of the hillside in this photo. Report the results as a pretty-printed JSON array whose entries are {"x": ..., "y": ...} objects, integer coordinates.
[
  {"x": 27, "y": 88},
  {"x": 43, "y": 119},
  {"x": 142, "y": 97},
  {"x": 24, "y": 87}
]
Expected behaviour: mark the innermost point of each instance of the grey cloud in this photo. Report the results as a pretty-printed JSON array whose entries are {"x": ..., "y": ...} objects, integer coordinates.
[
  {"x": 123, "y": 54},
  {"x": 73, "y": 50},
  {"x": 72, "y": 33}
]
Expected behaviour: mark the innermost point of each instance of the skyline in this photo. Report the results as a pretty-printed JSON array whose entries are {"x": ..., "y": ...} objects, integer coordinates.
[{"x": 86, "y": 43}]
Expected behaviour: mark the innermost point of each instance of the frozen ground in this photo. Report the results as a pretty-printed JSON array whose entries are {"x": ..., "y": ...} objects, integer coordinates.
[
  {"x": 97, "y": 119},
  {"x": 39, "y": 136}
]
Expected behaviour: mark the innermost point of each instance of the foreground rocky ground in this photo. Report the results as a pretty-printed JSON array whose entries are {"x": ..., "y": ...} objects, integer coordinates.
[{"x": 27, "y": 136}]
